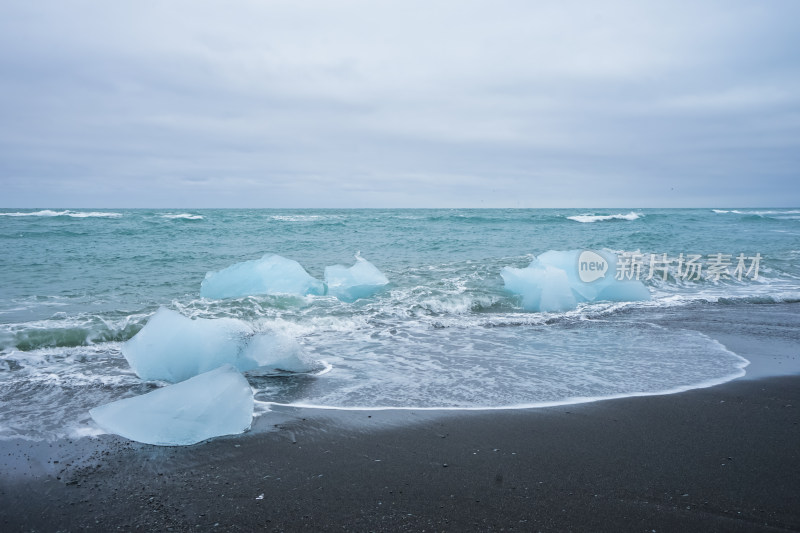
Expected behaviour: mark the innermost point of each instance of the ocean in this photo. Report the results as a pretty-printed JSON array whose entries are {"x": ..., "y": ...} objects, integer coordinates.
[{"x": 444, "y": 334}]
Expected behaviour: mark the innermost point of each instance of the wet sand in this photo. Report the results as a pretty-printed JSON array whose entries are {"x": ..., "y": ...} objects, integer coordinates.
[{"x": 725, "y": 458}]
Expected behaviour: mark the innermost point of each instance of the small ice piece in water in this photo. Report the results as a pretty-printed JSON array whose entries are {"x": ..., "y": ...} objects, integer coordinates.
[
  {"x": 216, "y": 403},
  {"x": 272, "y": 274},
  {"x": 552, "y": 282},
  {"x": 361, "y": 280},
  {"x": 172, "y": 347}
]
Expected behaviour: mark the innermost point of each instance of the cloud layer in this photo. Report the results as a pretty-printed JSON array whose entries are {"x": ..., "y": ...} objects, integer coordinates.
[{"x": 407, "y": 104}]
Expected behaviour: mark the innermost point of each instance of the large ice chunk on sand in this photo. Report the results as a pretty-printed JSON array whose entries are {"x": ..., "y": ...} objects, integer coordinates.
[
  {"x": 556, "y": 281},
  {"x": 219, "y": 402},
  {"x": 172, "y": 347},
  {"x": 361, "y": 280},
  {"x": 272, "y": 274}
]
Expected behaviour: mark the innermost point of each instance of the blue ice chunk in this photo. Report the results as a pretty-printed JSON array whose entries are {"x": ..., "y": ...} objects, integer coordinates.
[
  {"x": 361, "y": 280},
  {"x": 172, "y": 347},
  {"x": 543, "y": 288},
  {"x": 624, "y": 291},
  {"x": 272, "y": 274},
  {"x": 219, "y": 402},
  {"x": 552, "y": 282}
]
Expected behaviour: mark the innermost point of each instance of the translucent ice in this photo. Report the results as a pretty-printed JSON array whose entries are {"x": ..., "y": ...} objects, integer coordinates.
[
  {"x": 172, "y": 347},
  {"x": 361, "y": 280},
  {"x": 272, "y": 274},
  {"x": 543, "y": 288},
  {"x": 219, "y": 402},
  {"x": 553, "y": 282}
]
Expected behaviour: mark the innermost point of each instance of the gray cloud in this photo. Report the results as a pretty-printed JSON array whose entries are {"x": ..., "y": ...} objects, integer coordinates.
[{"x": 272, "y": 104}]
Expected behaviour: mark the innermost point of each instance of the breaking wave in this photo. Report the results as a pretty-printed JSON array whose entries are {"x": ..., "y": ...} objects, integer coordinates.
[
  {"x": 783, "y": 214},
  {"x": 182, "y": 216},
  {"x": 66, "y": 213},
  {"x": 585, "y": 219}
]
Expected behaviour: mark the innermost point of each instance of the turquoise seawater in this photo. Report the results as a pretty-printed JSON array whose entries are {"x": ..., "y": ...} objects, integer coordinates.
[{"x": 444, "y": 333}]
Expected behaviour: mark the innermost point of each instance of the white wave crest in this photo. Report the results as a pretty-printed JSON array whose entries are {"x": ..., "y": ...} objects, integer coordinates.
[
  {"x": 759, "y": 213},
  {"x": 66, "y": 213},
  {"x": 304, "y": 218},
  {"x": 601, "y": 218},
  {"x": 93, "y": 214},
  {"x": 182, "y": 216}
]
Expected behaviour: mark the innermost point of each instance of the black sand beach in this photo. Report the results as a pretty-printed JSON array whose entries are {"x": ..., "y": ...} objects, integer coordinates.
[{"x": 724, "y": 458}]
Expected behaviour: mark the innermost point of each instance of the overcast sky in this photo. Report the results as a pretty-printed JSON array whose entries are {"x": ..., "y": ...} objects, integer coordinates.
[{"x": 399, "y": 104}]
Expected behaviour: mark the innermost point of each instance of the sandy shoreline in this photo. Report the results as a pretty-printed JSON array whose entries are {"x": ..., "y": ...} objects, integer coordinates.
[{"x": 721, "y": 458}]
